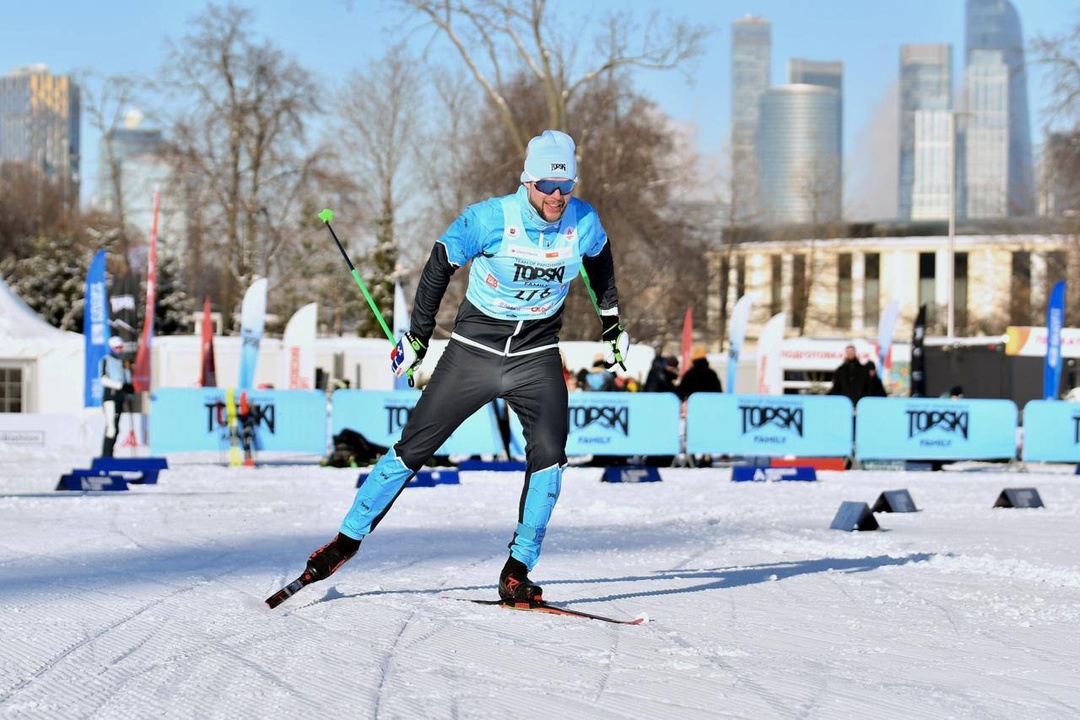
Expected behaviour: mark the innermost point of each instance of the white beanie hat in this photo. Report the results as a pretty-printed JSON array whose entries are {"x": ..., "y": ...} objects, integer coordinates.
[{"x": 550, "y": 155}]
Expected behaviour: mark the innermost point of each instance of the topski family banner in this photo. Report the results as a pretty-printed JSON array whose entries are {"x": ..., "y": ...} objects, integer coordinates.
[{"x": 95, "y": 329}]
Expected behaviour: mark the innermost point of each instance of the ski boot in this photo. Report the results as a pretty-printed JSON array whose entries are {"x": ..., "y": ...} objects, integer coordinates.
[
  {"x": 515, "y": 585},
  {"x": 325, "y": 561}
]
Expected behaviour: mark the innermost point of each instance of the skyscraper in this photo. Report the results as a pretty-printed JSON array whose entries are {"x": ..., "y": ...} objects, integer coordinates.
[
  {"x": 925, "y": 104},
  {"x": 39, "y": 125},
  {"x": 751, "y": 67},
  {"x": 997, "y": 171},
  {"x": 800, "y": 154},
  {"x": 816, "y": 72},
  {"x": 138, "y": 169}
]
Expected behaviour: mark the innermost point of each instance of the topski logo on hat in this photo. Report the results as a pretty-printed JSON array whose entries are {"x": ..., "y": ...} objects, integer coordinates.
[{"x": 550, "y": 155}]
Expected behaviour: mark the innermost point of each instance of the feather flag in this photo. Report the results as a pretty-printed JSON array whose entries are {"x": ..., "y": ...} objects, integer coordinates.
[
  {"x": 1055, "y": 319},
  {"x": 252, "y": 323},
  {"x": 687, "y": 340},
  {"x": 208, "y": 376},
  {"x": 770, "y": 376},
  {"x": 95, "y": 329},
  {"x": 298, "y": 342},
  {"x": 401, "y": 326},
  {"x": 918, "y": 362},
  {"x": 886, "y": 328},
  {"x": 140, "y": 371},
  {"x": 740, "y": 319}
]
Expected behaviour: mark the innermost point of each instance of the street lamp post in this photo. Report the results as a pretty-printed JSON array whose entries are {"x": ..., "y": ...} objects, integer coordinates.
[
  {"x": 951, "y": 253},
  {"x": 950, "y": 281}
]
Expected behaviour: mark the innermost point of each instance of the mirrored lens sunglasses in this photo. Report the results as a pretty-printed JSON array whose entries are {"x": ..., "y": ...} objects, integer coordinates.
[{"x": 547, "y": 187}]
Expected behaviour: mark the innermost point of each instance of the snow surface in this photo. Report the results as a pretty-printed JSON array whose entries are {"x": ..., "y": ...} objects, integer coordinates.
[{"x": 149, "y": 603}]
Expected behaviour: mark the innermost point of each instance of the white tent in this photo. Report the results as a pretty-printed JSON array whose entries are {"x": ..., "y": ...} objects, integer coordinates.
[{"x": 41, "y": 363}]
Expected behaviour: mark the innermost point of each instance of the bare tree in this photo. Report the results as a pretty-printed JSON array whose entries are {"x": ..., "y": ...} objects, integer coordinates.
[
  {"x": 1061, "y": 56},
  {"x": 379, "y": 129},
  {"x": 106, "y": 112},
  {"x": 239, "y": 126},
  {"x": 497, "y": 38}
]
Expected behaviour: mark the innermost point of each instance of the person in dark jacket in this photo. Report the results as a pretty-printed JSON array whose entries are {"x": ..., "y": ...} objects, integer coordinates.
[
  {"x": 663, "y": 374},
  {"x": 851, "y": 378},
  {"x": 699, "y": 377},
  {"x": 874, "y": 386}
]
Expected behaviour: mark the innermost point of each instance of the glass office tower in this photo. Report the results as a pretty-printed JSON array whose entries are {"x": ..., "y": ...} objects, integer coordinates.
[
  {"x": 998, "y": 175},
  {"x": 751, "y": 68},
  {"x": 925, "y": 104},
  {"x": 800, "y": 154},
  {"x": 39, "y": 125}
]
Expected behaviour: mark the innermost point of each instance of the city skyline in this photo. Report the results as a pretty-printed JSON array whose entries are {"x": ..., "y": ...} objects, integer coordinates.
[{"x": 334, "y": 38}]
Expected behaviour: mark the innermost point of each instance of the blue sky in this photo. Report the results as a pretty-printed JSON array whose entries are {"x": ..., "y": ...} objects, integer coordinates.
[{"x": 334, "y": 37}]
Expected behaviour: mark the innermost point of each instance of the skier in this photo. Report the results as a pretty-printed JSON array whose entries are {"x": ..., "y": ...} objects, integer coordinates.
[
  {"x": 116, "y": 385},
  {"x": 525, "y": 248}
]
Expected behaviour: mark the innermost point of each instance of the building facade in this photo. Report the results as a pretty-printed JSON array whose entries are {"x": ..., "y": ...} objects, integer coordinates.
[
  {"x": 925, "y": 142},
  {"x": 39, "y": 125},
  {"x": 1001, "y": 278},
  {"x": 997, "y": 171},
  {"x": 751, "y": 70},
  {"x": 800, "y": 154}
]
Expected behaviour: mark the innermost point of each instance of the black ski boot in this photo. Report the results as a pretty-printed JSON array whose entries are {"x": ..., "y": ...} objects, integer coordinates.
[
  {"x": 515, "y": 585},
  {"x": 325, "y": 561}
]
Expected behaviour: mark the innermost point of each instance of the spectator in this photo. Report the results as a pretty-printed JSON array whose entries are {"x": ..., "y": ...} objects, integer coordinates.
[
  {"x": 599, "y": 378},
  {"x": 699, "y": 377},
  {"x": 662, "y": 375},
  {"x": 851, "y": 378},
  {"x": 874, "y": 386}
]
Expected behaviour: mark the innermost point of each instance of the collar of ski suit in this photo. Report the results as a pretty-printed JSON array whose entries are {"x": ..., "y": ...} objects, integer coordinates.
[{"x": 529, "y": 214}]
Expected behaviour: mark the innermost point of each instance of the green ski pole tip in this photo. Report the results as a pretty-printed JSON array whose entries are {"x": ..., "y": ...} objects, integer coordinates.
[{"x": 326, "y": 215}]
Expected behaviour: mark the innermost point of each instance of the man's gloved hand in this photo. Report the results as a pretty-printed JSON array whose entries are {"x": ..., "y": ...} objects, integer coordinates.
[
  {"x": 617, "y": 339},
  {"x": 406, "y": 355}
]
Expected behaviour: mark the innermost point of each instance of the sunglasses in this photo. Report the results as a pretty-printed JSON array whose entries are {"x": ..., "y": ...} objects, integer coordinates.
[{"x": 547, "y": 187}]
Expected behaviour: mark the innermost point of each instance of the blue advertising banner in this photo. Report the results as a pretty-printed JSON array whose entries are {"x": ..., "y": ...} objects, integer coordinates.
[
  {"x": 95, "y": 329},
  {"x": 935, "y": 429},
  {"x": 379, "y": 415},
  {"x": 1055, "y": 318},
  {"x": 621, "y": 424},
  {"x": 1052, "y": 431},
  {"x": 194, "y": 419},
  {"x": 769, "y": 425}
]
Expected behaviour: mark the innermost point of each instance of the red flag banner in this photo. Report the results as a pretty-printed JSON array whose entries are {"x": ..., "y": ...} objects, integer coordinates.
[
  {"x": 208, "y": 377},
  {"x": 140, "y": 371},
  {"x": 687, "y": 340}
]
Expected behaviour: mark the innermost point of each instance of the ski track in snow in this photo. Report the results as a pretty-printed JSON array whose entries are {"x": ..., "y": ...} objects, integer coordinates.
[{"x": 149, "y": 603}]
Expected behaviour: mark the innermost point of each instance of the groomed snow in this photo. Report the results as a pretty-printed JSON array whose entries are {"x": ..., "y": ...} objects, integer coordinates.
[{"x": 149, "y": 603}]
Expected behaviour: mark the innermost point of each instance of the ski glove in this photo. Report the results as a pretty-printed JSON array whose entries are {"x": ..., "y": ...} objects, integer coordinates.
[
  {"x": 618, "y": 342},
  {"x": 407, "y": 355}
]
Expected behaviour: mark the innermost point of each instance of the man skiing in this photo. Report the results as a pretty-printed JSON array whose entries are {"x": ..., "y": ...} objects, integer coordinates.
[{"x": 524, "y": 250}]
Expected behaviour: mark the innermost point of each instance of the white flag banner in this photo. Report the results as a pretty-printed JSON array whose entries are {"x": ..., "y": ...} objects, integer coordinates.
[
  {"x": 298, "y": 342},
  {"x": 886, "y": 328},
  {"x": 740, "y": 320},
  {"x": 252, "y": 323},
  {"x": 770, "y": 376},
  {"x": 401, "y": 326}
]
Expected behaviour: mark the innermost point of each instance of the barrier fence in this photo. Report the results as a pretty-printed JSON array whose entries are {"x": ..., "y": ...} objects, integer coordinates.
[{"x": 636, "y": 424}]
